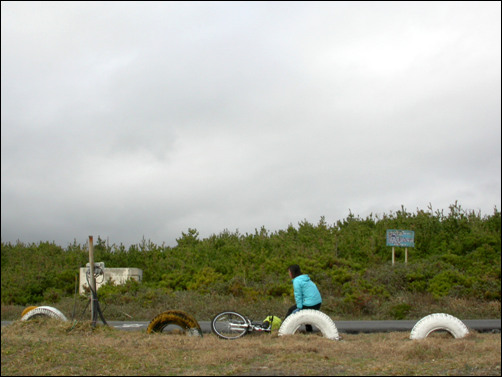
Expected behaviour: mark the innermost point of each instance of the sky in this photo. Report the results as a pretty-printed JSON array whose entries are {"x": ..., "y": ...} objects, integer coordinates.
[{"x": 142, "y": 120}]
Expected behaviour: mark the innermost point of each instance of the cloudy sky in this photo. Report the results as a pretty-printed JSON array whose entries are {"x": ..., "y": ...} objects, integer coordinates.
[{"x": 132, "y": 120}]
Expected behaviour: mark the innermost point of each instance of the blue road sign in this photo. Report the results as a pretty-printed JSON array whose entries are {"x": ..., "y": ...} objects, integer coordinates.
[{"x": 400, "y": 238}]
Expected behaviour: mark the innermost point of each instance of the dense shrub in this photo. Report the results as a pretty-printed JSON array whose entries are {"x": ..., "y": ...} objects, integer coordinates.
[{"x": 455, "y": 255}]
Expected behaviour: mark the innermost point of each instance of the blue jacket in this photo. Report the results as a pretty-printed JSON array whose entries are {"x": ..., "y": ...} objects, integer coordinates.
[{"x": 306, "y": 292}]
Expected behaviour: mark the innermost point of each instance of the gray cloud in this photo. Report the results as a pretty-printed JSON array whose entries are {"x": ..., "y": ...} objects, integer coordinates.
[{"x": 132, "y": 119}]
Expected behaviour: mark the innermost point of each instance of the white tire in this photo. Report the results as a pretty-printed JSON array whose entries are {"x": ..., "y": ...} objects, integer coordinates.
[
  {"x": 310, "y": 317},
  {"x": 47, "y": 311},
  {"x": 439, "y": 321}
]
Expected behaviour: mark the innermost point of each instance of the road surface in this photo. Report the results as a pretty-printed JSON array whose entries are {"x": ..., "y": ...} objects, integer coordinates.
[{"x": 348, "y": 327}]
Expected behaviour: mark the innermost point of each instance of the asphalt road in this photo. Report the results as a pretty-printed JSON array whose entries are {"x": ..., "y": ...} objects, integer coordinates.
[{"x": 348, "y": 327}]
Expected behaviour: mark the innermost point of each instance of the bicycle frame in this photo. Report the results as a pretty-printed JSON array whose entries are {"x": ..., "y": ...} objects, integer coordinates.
[
  {"x": 233, "y": 325},
  {"x": 249, "y": 327}
]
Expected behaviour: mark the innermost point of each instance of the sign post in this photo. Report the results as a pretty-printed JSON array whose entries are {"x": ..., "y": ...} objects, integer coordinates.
[{"x": 400, "y": 238}]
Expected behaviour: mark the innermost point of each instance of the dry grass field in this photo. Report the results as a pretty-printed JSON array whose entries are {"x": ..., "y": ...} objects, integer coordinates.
[{"x": 50, "y": 347}]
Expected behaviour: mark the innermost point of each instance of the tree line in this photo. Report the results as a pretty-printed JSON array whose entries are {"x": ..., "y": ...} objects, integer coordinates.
[{"x": 456, "y": 254}]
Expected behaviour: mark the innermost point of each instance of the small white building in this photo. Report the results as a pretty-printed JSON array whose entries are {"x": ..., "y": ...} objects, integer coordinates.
[{"x": 118, "y": 275}]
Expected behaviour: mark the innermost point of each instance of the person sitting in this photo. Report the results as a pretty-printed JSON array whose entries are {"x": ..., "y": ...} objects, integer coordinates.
[{"x": 307, "y": 296}]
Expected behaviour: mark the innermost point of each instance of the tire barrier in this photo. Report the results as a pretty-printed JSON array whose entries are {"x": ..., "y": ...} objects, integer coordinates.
[
  {"x": 26, "y": 310},
  {"x": 439, "y": 321},
  {"x": 175, "y": 317},
  {"x": 310, "y": 317},
  {"x": 43, "y": 311}
]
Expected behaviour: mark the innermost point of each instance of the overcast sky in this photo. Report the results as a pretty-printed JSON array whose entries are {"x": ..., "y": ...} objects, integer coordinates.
[{"x": 127, "y": 120}]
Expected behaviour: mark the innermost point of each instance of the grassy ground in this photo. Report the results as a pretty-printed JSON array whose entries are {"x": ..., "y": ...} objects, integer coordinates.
[
  {"x": 204, "y": 307},
  {"x": 50, "y": 347}
]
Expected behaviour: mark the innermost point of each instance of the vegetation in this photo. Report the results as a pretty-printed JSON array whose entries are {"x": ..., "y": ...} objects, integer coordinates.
[
  {"x": 53, "y": 347},
  {"x": 455, "y": 264}
]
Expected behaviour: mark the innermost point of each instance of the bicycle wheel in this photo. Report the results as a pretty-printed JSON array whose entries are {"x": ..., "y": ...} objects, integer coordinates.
[{"x": 229, "y": 325}]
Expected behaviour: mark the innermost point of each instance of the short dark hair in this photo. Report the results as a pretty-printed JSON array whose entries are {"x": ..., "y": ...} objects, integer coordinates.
[{"x": 295, "y": 270}]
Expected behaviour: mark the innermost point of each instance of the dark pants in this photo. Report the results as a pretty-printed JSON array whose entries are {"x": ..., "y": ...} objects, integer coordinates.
[{"x": 291, "y": 309}]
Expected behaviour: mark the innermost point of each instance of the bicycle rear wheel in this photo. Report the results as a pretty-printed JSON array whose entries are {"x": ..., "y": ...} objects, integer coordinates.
[{"x": 229, "y": 325}]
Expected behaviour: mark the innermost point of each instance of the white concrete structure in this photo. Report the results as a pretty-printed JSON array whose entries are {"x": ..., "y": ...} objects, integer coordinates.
[{"x": 118, "y": 275}]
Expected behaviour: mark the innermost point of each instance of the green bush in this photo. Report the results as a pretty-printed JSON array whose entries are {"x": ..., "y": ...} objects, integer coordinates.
[
  {"x": 400, "y": 311},
  {"x": 53, "y": 295},
  {"x": 449, "y": 282},
  {"x": 456, "y": 254},
  {"x": 204, "y": 280}
]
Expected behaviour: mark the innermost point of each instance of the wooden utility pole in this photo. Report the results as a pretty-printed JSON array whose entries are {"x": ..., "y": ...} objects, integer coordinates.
[
  {"x": 95, "y": 309},
  {"x": 92, "y": 283}
]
